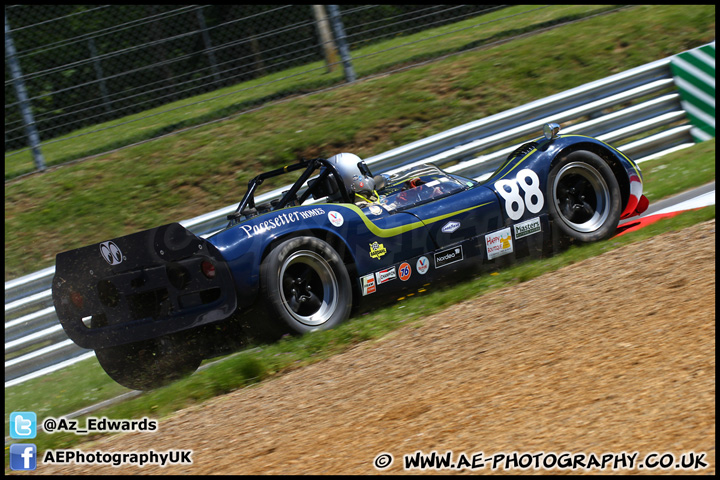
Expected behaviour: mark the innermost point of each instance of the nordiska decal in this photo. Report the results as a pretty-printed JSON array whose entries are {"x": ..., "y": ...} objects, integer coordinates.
[
  {"x": 280, "y": 220},
  {"x": 448, "y": 256}
]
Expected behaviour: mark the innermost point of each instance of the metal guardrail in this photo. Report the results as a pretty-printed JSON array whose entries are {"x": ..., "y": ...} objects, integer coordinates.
[{"x": 640, "y": 103}]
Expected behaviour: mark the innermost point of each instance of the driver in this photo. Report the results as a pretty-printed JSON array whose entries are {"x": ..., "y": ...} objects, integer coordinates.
[
  {"x": 416, "y": 189},
  {"x": 357, "y": 179}
]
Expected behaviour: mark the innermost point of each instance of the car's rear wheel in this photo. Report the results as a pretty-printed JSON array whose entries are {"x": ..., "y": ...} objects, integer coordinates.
[
  {"x": 304, "y": 286},
  {"x": 585, "y": 197},
  {"x": 150, "y": 363}
]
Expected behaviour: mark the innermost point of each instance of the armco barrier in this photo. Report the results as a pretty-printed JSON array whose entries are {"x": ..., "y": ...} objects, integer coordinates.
[{"x": 638, "y": 111}]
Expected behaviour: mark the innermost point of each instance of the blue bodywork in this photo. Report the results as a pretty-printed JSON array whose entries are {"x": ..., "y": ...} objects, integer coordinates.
[
  {"x": 152, "y": 288},
  {"x": 411, "y": 233}
]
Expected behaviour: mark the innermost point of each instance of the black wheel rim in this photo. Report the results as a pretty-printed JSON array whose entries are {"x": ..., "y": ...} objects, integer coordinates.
[
  {"x": 309, "y": 288},
  {"x": 582, "y": 197}
]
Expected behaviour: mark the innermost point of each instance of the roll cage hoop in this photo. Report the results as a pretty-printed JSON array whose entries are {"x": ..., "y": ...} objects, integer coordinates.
[{"x": 328, "y": 183}]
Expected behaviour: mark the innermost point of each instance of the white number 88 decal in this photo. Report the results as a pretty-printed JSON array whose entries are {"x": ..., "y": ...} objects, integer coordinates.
[{"x": 510, "y": 191}]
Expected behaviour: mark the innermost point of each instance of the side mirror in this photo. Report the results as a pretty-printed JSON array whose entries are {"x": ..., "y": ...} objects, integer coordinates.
[
  {"x": 380, "y": 181},
  {"x": 551, "y": 130}
]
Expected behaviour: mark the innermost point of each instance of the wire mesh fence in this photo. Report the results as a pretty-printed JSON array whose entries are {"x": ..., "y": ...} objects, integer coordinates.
[{"x": 81, "y": 69}]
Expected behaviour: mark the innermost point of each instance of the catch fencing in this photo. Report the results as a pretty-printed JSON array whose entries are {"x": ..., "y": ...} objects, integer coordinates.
[
  {"x": 77, "y": 70},
  {"x": 638, "y": 111}
]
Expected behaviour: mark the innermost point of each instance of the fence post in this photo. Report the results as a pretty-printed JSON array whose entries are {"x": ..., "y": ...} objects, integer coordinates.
[
  {"x": 339, "y": 31},
  {"x": 21, "y": 92},
  {"x": 326, "y": 39},
  {"x": 208, "y": 45},
  {"x": 100, "y": 75}
]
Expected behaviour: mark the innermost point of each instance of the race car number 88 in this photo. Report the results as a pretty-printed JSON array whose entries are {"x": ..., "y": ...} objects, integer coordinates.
[{"x": 515, "y": 204}]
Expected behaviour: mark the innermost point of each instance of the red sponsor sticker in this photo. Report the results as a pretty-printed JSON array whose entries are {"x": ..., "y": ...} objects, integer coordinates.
[{"x": 368, "y": 284}]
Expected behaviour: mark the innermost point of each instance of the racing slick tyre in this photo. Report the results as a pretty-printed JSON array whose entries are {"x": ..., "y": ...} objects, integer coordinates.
[
  {"x": 304, "y": 286},
  {"x": 150, "y": 363},
  {"x": 585, "y": 201}
]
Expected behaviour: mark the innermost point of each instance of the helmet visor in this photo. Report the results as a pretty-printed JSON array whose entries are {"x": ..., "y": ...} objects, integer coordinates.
[{"x": 364, "y": 169}]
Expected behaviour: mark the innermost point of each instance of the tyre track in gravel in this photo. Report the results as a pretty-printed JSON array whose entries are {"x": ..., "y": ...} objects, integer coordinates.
[{"x": 615, "y": 353}]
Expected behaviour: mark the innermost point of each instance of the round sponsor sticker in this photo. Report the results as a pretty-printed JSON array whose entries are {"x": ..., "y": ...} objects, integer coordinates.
[
  {"x": 335, "y": 218},
  {"x": 404, "y": 271},
  {"x": 375, "y": 210},
  {"x": 422, "y": 265}
]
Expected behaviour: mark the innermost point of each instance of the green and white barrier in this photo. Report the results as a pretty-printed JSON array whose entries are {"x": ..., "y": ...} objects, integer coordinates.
[{"x": 694, "y": 74}]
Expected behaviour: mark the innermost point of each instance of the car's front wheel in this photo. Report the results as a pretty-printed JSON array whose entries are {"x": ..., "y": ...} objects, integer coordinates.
[
  {"x": 304, "y": 286},
  {"x": 585, "y": 197}
]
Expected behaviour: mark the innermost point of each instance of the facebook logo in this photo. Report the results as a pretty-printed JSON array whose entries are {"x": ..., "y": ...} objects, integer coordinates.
[
  {"x": 23, "y": 456},
  {"x": 23, "y": 424}
]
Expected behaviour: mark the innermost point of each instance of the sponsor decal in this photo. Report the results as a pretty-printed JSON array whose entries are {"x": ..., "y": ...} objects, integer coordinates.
[
  {"x": 498, "y": 243},
  {"x": 450, "y": 227},
  {"x": 448, "y": 256},
  {"x": 422, "y": 265},
  {"x": 375, "y": 210},
  {"x": 404, "y": 271},
  {"x": 385, "y": 275},
  {"x": 377, "y": 250},
  {"x": 336, "y": 218},
  {"x": 528, "y": 227},
  {"x": 358, "y": 180},
  {"x": 368, "y": 284},
  {"x": 280, "y": 220},
  {"x": 111, "y": 253}
]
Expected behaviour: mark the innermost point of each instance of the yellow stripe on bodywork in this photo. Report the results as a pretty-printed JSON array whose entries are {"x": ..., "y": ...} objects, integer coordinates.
[
  {"x": 630, "y": 160},
  {"x": 518, "y": 163},
  {"x": 391, "y": 232}
]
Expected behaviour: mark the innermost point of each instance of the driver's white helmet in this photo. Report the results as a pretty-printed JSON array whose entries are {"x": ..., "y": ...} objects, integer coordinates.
[{"x": 354, "y": 172}]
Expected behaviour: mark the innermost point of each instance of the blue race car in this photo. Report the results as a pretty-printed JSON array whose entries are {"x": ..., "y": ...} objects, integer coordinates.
[{"x": 154, "y": 304}]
